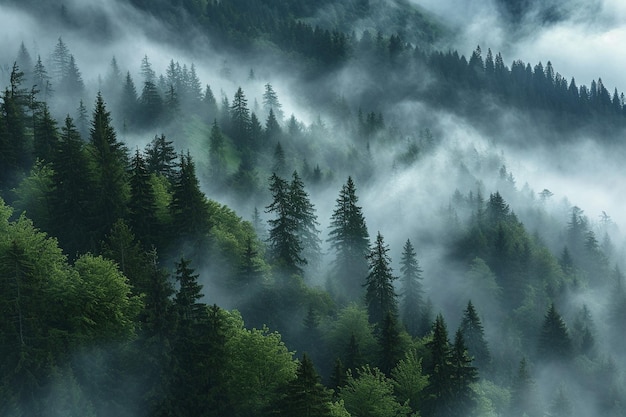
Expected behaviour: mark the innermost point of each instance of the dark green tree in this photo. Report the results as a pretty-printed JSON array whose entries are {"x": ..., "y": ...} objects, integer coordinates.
[
  {"x": 412, "y": 296},
  {"x": 349, "y": 239},
  {"x": 142, "y": 203},
  {"x": 45, "y": 135},
  {"x": 240, "y": 120},
  {"x": 380, "y": 296},
  {"x": 161, "y": 157},
  {"x": 305, "y": 396},
  {"x": 109, "y": 182},
  {"x": 554, "y": 342},
  {"x": 439, "y": 392},
  {"x": 474, "y": 336},
  {"x": 464, "y": 374},
  {"x": 285, "y": 246},
  {"x": 303, "y": 211},
  {"x": 69, "y": 200},
  {"x": 217, "y": 154},
  {"x": 389, "y": 340},
  {"x": 189, "y": 206},
  {"x": 523, "y": 393}
]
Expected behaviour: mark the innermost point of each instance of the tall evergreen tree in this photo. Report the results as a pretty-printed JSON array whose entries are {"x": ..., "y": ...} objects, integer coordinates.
[
  {"x": 70, "y": 199},
  {"x": 439, "y": 390},
  {"x": 305, "y": 396},
  {"x": 380, "y": 296},
  {"x": 142, "y": 203},
  {"x": 412, "y": 297},
  {"x": 45, "y": 135},
  {"x": 240, "y": 120},
  {"x": 217, "y": 154},
  {"x": 285, "y": 246},
  {"x": 390, "y": 343},
  {"x": 555, "y": 343},
  {"x": 303, "y": 212},
  {"x": 161, "y": 157},
  {"x": 474, "y": 336},
  {"x": 349, "y": 239},
  {"x": 189, "y": 207},
  {"x": 109, "y": 184},
  {"x": 523, "y": 393},
  {"x": 271, "y": 103},
  {"x": 464, "y": 374}
]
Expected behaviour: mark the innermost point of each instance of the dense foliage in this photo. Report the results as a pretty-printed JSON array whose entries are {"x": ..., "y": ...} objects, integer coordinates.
[{"x": 109, "y": 253}]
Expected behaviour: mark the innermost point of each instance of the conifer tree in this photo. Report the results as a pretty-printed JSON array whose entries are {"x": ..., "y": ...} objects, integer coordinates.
[
  {"x": 240, "y": 120},
  {"x": 161, "y": 157},
  {"x": 285, "y": 247},
  {"x": 109, "y": 189},
  {"x": 412, "y": 297},
  {"x": 349, "y": 239},
  {"x": 380, "y": 296},
  {"x": 390, "y": 343},
  {"x": 463, "y": 375},
  {"x": 69, "y": 199},
  {"x": 142, "y": 203},
  {"x": 217, "y": 155},
  {"x": 474, "y": 336},
  {"x": 189, "y": 208},
  {"x": 45, "y": 135},
  {"x": 41, "y": 80},
  {"x": 523, "y": 393},
  {"x": 272, "y": 128},
  {"x": 128, "y": 103},
  {"x": 303, "y": 212},
  {"x": 555, "y": 343},
  {"x": 271, "y": 103},
  {"x": 439, "y": 391},
  {"x": 305, "y": 396}
]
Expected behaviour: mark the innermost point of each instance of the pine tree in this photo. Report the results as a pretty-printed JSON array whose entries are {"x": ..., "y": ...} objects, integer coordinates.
[
  {"x": 273, "y": 131},
  {"x": 161, "y": 157},
  {"x": 240, "y": 120},
  {"x": 109, "y": 189},
  {"x": 285, "y": 247},
  {"x": 464, "y": 374},
  {"x": 439, "y": 391},
  {"x": 271, "y": 103},
  {"x": 523, "y": 393},
  {"x": 473, "y": 334},
  {"x": 555, "y": 343},
  {"x": 380, "y": 296},
  {"x": 69, "y": 199},
  {"x": 129, "y": 104},
  {"x": 189, "y": 208},
  {"x": 280, "y": 163},
  {"x": 217, "y": 154},
  {"x": 41, "y": 80},
  {"x": 349, "y": 239},
  {"x": 412, "y": 304},
  {"x": 305, "y": 396},
  {"x": 45, "y": 135},
  {"x": 390, "y": 343},
  {"x": 142, "y": 203},
  {"x": 303, "y": 212},
  {"x": 150, "y": 104}
]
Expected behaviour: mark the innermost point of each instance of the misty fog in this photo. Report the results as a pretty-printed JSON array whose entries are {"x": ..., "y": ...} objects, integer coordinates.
[{"x": 425, "y": 196}]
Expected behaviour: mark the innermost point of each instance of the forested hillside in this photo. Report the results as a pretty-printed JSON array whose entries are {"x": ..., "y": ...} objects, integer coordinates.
[{"x": 258, "y": 208}]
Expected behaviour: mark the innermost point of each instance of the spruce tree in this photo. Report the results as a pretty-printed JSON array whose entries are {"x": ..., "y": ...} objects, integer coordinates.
[
  {"x": 217, "y": 155},
  {"x": 380, "y": 296},
  {"x": 161, "y": 157},
  {"x": 69, "y": 198},
  {"x": 474, "y": 336},
  {"x": 285, "y": 246},
  {"x": 109, "y": 188},
  {"x": 464, "y": 374},
  {"x": 349, "y": 239},
  {"x": 412, "y": 297},
  {"x": 303, "y": 212},
  {"x": 439, "y": 391},
  {"x": 555, "y": 343},
  {"x": 189, "y": 207},
  {"x": 305, "y": 396},
  {"x": 240, "y": 120},
  {"x": 142, "y": 203},
  {"x": 389, "y": 343}
]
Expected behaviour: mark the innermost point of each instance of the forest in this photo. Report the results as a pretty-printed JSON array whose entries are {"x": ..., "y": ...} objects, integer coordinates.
[{"x": 260, "y": 208}]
